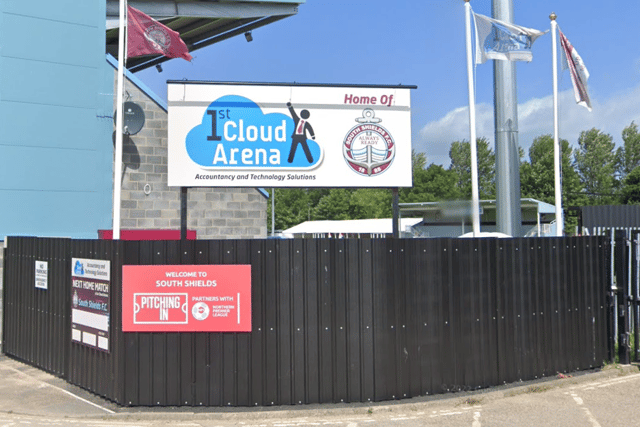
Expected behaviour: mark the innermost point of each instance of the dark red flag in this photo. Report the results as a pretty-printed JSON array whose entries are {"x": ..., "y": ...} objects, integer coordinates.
[{"x": 146, "y": 36}]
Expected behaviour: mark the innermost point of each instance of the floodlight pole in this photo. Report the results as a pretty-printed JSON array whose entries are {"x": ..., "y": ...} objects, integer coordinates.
[{"x": 508, "y": 215}]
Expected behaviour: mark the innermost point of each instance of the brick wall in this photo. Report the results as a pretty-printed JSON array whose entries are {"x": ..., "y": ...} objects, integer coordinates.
[{"x": 148, "y": 203}]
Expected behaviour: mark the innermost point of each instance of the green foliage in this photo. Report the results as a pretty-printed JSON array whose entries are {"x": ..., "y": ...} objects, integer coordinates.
[
  {"x": 537, "y": 177},
  {"x": 630, "y": 192},
  {"x": 460, "y": 155},
  {"x": 334, "y": 206},
  {"x": 418, "y": 160},
  {"x": 588, "y": 177},
  {"x": 628, "y": 156},
  {"x": 596, "y": 162},
  {"x": 371, "y": 203},
  {"x": 291, "y": 204},
  {"x": 430, "y": 185}
]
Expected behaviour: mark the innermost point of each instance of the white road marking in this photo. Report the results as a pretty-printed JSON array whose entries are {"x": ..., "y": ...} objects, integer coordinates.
[
  {"x": 587, "y": 412},
  {"x": 620, "y": 380},
  {"x": 476, "y": 419},
  {"x": 445, "y": 414},
  {"x": 591, "y": 418}
]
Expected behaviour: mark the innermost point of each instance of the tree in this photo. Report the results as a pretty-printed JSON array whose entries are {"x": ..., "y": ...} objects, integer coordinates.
[
  {"x": 628, "y": 156},
  {"x": 334, "y": 206},
  {"x": 292, "y": 207},
  {"x": 596, "y": 164},
  {"x": 537, "y": 177},
  {"x": 418, "y": 160},
  {"x": 371, "y": 203},
  {"x": 432, "y": 184},
  {"x": 630, "y": 192},
  {"x": 460, "y": 155}
]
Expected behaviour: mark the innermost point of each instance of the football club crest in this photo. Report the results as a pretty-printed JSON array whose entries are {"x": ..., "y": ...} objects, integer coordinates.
[
  {"x": 158, "y": 37},
  {"x": 369, "y": 148}
]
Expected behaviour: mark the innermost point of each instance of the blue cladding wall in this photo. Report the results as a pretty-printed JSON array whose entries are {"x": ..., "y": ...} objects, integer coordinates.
[{"x": 56, "y": 99}]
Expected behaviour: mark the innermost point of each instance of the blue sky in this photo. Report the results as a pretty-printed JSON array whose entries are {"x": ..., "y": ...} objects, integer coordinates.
[{"x": 422, "y": 43}]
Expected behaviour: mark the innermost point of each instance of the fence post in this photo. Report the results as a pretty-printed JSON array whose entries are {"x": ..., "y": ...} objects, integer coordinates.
[
  {"x": 611, "y": 299},
  {"x": 635, "y": 260},
  {"x": 622, "y": 290}
]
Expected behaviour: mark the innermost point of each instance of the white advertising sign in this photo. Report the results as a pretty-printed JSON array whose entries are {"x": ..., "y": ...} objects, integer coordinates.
[
  {"x": 250, "y": 135},
  {"x": 91, "y": 302}
]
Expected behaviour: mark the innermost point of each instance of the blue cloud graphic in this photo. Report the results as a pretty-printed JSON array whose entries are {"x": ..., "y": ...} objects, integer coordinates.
[{"x": 236, "y": 134}]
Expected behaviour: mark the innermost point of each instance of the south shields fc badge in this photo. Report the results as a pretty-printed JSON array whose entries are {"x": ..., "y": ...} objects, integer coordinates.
[
  {"x": 158, "y": 37},
  {"x": 368, "y": 147}
]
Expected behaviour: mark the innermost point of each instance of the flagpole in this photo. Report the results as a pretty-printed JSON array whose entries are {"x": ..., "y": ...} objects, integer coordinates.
[
  {"x": 556, "y": 139},
  {"x": 117, "y": 162},
  {"x": 475, "y": 199}
]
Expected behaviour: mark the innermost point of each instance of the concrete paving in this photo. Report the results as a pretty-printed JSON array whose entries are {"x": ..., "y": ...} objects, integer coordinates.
[{"x": 31, "y": 396}]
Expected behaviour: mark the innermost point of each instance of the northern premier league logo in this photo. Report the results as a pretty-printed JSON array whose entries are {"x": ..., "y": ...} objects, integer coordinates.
[{"x": 368, "y": 147}]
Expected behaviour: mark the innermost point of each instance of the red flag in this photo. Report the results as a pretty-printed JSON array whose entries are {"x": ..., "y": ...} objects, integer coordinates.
[
  {"x": 147, "y": 36},
  {"x": 579, "y": 72}
]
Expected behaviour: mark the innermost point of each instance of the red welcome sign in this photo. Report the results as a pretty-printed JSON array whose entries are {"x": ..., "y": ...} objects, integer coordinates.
[{"x": 186, "y": 298}]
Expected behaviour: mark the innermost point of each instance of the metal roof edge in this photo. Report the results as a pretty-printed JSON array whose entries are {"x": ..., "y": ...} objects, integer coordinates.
[
  {"x": 136, "y": 81},
  {"x": 278, "y": 1},
  {"x": 371, "y": 86}
]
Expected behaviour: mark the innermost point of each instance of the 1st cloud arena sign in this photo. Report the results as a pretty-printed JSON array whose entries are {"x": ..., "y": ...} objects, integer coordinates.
[
  {"x": 277, "y": 135},
  {"x": 186, "y": 298}
]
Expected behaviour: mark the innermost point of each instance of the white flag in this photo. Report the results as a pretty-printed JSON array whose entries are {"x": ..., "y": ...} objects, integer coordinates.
[
  {"x": 501, "y": 40},
  {"x": 579, "y": 73}
]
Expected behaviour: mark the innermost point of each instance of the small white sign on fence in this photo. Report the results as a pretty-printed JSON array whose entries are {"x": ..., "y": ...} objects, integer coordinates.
[{"x": 42, "y": 274}]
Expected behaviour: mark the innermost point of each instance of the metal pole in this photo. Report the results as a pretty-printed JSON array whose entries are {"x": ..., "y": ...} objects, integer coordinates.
[
  {"x": 273, "y": 211},
  {"x": 621, "y": 282},
  {"x": 183, "y": 212},
  {"x": 508, "y": 215},
  {"x": 396, "y": 212},
  {"x": 117, "y": 158},
  {"x": 636, "y": 300},
  {"x": 475, "y": 194},
  {"x": 556, "y": 138}
]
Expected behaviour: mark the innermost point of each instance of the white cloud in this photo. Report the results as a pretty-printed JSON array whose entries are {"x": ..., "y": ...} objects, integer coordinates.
[{"x": 535, "y": 118}]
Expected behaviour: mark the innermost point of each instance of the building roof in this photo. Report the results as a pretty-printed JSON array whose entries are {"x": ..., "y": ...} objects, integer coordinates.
[
  {"x": 353, "y": 226},
  {"x": 200, "y": 23},
  {"x": 415, "y": 209},
  {"x": 609, "y": 216}
]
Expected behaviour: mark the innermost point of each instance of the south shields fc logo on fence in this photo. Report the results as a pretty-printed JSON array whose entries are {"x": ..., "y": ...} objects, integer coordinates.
[{"x": 368, "y": 147}]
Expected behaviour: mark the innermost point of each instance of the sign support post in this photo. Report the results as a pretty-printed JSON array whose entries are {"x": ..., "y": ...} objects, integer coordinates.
[
  {"x": 183, "y": 212},
  {"x": 396, "y": 213}
]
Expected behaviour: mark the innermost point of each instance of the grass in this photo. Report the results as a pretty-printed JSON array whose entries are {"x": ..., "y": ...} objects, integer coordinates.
[
  {"x": 632, "y": 356},
  {"x": 472, "y": 401},
  {"x": 538, "y": 388}
]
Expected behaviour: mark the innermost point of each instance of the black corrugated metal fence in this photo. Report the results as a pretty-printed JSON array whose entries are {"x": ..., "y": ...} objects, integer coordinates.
[{"x": 334, "y": 320}]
